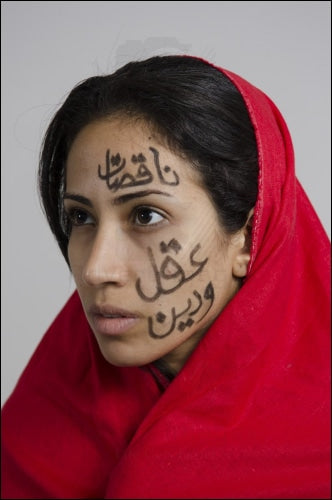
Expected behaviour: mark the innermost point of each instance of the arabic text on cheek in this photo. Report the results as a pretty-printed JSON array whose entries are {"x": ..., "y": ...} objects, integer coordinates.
[
  {"x": 168, "y": 278},
  {"x": 161, "y": 325}
]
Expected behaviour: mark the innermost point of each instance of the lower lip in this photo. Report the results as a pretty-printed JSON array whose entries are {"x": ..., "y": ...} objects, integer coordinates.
[{"x": 112, "y": 326}]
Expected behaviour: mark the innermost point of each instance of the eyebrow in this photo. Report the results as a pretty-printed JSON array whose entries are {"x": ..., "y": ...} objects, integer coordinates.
[
  {"x": 77, "y": 197},
  {"x": 119, "y": 200},
  {"x": 138, "y": 194}
]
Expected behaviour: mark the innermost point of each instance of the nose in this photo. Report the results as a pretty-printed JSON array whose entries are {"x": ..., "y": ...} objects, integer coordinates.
[{"x": 107, "y": 260}]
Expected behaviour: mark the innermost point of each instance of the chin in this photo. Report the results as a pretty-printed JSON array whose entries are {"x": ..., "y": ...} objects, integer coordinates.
[{"x": 122, "y": 356}]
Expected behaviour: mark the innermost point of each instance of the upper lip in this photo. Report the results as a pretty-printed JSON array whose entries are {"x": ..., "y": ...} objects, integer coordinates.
[{"x": 110, "y": 310}]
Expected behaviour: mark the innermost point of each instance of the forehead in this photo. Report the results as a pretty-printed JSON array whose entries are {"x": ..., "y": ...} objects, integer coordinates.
[
  {"x": 118, "y": 133},
  {"x": 122, "y": 145}
]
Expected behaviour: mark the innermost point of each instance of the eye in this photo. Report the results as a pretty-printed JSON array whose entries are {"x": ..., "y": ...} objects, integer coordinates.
[
  {"x": 79, "y": 217},
  {"x": 145, "y": 216}
]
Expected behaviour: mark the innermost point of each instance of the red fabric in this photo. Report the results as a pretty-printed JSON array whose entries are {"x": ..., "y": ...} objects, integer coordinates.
[{"x": 249, "y": 414}]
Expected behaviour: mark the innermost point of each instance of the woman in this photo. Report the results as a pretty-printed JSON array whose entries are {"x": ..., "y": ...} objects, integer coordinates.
[{"x": 192, "y": 362}]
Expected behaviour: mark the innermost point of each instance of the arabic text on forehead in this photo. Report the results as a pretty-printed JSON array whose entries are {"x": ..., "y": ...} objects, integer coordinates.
[{"x": 116, "y": 179}]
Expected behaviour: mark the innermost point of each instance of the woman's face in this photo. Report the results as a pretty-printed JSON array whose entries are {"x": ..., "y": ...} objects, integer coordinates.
[{"x": 146, "y": 250}]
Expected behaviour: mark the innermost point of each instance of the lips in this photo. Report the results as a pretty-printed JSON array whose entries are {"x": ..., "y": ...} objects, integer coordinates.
[
  {"x": 109, "y": 310},
  {"x": 111, "y": 320}
]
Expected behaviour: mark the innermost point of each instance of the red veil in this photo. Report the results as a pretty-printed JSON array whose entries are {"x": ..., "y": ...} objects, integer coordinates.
[{"x": 248, "y": 416}]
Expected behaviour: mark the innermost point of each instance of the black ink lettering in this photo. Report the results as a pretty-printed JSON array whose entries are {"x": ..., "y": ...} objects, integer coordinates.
[
  {"x": 183, "y": 325},
  {"x": 140, "y": 158},
  {"x": 143, "y": 175},
  {"x": 127, "y": 180},
  {"x": 169, "y": 331},
  {"x": 173, "y": 322},
  {"x": 200, "y": 302},
  {"x": 208, "y": 295},
  {"x": 114, "y": 165},
  {"x": 172, "y": 245},
  {"x": 143, "y": 171},
  {"x": 200, "y": 265},
  {"x": 166, "y": 169},
  {"x": 157, "y": 278},
  {"x": 161, "y": 317},
  {"x": 169, "y": 270},
  {"x": 111, "y": 161}
]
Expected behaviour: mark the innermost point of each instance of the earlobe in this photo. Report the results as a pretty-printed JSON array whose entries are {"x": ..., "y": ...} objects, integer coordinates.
[
  {"x": 240, "y": 265},
  {"x": 243, "y": 244}
]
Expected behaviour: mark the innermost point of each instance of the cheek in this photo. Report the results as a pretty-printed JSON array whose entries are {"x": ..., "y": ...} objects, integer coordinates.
[
  {"x": 188, "y": 293},
  {"x": 178, "y": 290},
  {"x": 71, "y": 254},
  {"x": 76, "y": 260}
]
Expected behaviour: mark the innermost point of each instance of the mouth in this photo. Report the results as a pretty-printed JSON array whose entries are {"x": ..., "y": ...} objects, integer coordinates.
[{"x": 110, "y": 320}]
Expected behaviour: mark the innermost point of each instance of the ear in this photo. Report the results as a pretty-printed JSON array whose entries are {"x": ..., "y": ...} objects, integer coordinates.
[{"x": 242, "y": 242}]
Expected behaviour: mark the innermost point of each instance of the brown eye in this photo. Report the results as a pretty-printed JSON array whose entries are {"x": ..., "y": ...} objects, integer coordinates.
[
  {"x": 79, "y": 217},
  {"x": 146, "y": 216}
]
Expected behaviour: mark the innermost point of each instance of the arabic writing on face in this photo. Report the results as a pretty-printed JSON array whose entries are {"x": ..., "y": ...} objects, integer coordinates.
[
  {"x": 154, "y": 323},
  {"x": 170, "y": 271},
  {"x": 114, "y": 165}
]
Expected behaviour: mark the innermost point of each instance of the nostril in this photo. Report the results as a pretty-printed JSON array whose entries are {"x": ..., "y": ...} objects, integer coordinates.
[{"x": 97, "y": 277}]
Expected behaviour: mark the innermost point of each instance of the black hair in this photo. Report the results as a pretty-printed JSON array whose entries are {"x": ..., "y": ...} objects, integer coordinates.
[{"x": 191, "y": 105}]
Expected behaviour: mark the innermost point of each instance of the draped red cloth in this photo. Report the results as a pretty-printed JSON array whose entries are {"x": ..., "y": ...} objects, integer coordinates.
[{"x": 248, "y": 416}]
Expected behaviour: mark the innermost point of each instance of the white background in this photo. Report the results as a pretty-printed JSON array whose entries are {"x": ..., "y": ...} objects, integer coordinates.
[{"x": 47, "y": 47}]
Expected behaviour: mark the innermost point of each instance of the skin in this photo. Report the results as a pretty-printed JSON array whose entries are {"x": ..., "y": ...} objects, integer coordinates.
[{"x": 109, "y": 242}]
